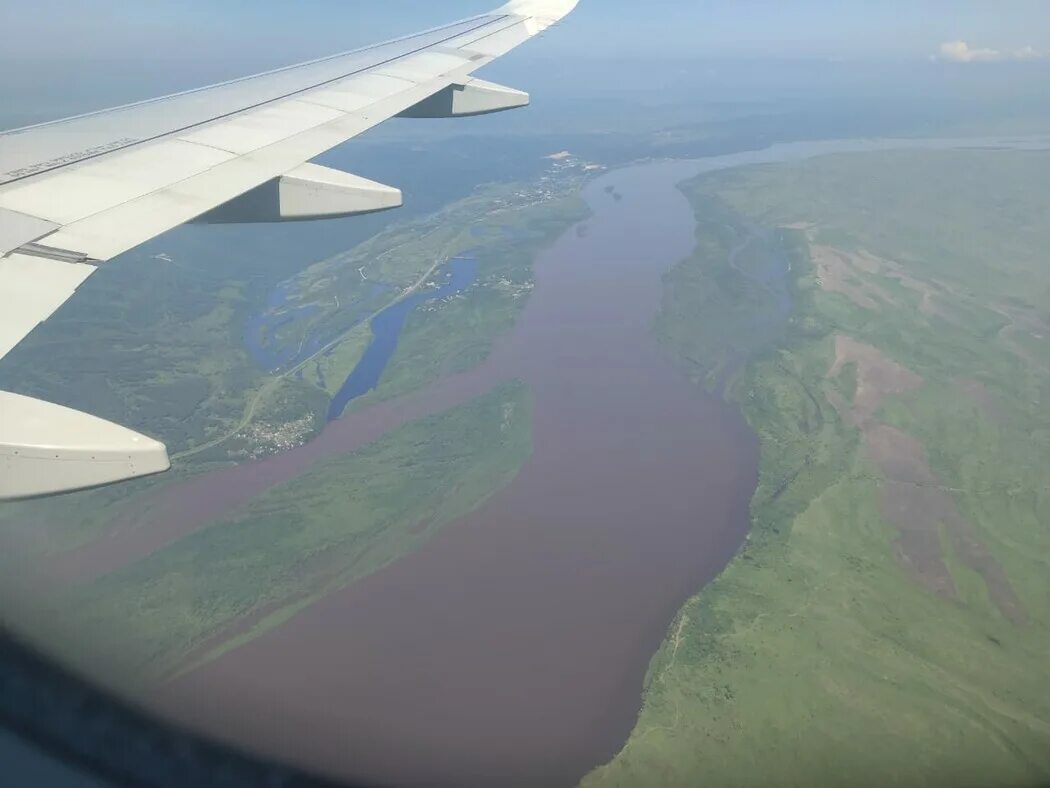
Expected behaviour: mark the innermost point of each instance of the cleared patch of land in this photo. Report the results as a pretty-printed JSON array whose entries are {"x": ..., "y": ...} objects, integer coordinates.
[
  {"x": 912, "y": 496},
  {"x": 887, "y": 622}
]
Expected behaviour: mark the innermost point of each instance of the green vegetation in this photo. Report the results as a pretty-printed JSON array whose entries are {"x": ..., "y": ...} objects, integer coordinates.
[
  {"x": 328, "y": 372},
  {"x": 160, "y": 346},
  {"x": 740, "y": 305},
  {"x": 155, "y": 340},
  {"x": 457, "y": 333},
  {"x": 887, "y": 621},
  {"x": 345, "y": 518},
  {"x": 153, "y": 343},
  {"x": 334, "y": 300}
]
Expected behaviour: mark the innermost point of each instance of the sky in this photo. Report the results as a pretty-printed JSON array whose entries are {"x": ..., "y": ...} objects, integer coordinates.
[
  {"x": 61, "y": 57},
  {"x": 255, "y": 29}
]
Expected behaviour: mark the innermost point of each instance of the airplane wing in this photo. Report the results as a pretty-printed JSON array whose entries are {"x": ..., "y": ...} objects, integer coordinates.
[{"x": 75, "y": 193}]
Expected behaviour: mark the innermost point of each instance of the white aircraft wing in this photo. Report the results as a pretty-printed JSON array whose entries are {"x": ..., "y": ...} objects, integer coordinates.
[{"x": 75, "y": 193}]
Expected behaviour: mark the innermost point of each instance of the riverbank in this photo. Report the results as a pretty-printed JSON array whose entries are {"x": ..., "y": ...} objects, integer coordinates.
[{"x": 887, "y": 622}]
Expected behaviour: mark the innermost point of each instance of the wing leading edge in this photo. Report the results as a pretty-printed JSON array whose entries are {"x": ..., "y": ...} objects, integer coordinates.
[{"x": 75, "y": 193}]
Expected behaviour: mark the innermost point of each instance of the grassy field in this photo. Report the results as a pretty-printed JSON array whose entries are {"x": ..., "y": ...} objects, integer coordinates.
[
  {"x": 888, "y": 620},
  {"x": 344, "y": 519}
]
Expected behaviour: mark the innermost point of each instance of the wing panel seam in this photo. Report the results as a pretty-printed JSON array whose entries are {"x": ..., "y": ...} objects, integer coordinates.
[
  {"x": 175, "y": 132},
  {"x": 426, "y": 88}
]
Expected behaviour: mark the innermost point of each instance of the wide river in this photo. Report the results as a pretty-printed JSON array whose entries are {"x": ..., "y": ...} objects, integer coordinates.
[{"x": 511, "y": 648}]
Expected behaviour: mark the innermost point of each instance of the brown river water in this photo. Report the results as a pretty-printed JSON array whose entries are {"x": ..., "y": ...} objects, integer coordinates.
[{"x": 510, "y": 649}]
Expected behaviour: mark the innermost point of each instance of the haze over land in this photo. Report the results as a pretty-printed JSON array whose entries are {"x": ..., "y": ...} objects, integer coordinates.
[{"x": 728, "y": 482}]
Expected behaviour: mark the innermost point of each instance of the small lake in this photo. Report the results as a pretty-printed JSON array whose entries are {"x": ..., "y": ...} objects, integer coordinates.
[
  {"x": 261, "y": 326},
  {"x": 260, "y": 329}
]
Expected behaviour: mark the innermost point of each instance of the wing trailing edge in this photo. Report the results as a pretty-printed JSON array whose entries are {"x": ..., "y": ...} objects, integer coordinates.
[
  {"x": 47, "y": 449},
  {"x": 308, "y": 192}
]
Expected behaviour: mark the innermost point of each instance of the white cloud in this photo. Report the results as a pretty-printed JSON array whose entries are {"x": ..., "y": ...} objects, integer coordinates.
[
  {"x": 961, "y": 52},
  {"x": 1028, "y": 53}
]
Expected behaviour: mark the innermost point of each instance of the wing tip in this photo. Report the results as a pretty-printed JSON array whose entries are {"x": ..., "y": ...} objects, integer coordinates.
[{"x": 552, "y": 10}]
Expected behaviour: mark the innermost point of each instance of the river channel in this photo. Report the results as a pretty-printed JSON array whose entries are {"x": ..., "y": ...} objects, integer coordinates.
[{"x": 511, "y": 649}]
